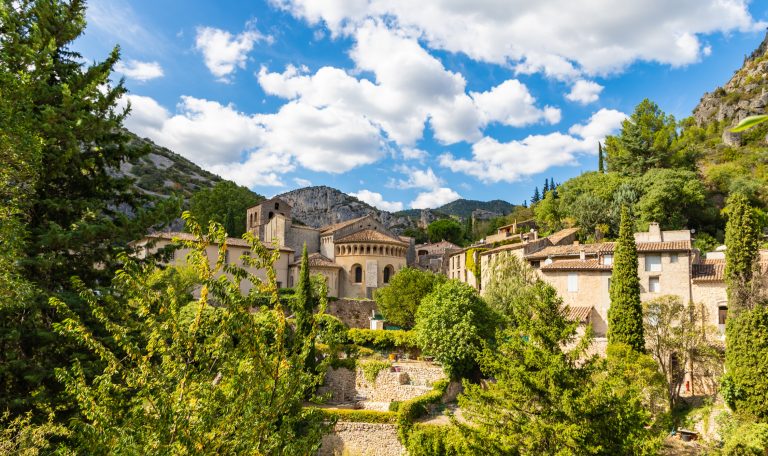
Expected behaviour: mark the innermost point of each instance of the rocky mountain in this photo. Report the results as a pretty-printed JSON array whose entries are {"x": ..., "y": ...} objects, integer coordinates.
[
  {"x": 320, "y": 205},
  {"x": 163, "y": 172},
  {"x": 745, "y": 94}
]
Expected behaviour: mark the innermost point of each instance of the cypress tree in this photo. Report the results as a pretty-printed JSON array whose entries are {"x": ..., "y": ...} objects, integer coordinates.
[
  {"x": 742, "y": 237},
  {"x": 546, "y": 188},
  {"x": 304, "y": 305},
  {"x": 536, "y": 197},
  {"x": 625, "y": 316},
  {"x": 229, "y": 223},
  {"x": 600, "y": 164}
]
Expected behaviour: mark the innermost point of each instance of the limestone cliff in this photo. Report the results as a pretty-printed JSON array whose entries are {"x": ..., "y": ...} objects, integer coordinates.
[
  {"x": 321, "y": 205},
  {"x": 745, "y": 94}
]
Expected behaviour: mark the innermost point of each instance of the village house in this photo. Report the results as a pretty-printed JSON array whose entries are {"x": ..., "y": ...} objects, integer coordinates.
[{"x": 355, "y": 256}]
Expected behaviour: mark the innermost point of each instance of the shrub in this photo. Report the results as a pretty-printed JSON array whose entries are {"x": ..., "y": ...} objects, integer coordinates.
[
  {"x": 381, "y": 339},
  {"x": 745, "y": 386},
  {"x": 399, "y": 300},
  {"x": 453, "y": 323},
  {"x": 346, "y": 363},
  {"x": 372, "y": 368},
  {"x": 413, "y": 409},
  {"x": 394, "y": 406},
  {"x": 360, "y": 416},
  {"x": 748, "y": 439},
  {"x": 434, "y": 440}
]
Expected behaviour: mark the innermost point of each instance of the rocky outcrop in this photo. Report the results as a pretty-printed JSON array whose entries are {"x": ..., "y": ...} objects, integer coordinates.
[
  {"x": 319, "y": 206},
  {"x": 745, "y": 94}
]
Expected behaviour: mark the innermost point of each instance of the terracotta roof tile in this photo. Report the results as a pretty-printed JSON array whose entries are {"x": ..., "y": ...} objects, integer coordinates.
[
  {"x": 714, "y": 270},
  {"x": 171, "y": 235},
  {"x": 337, "y": 226},
  {"x": 571, "y": 250},
  {"x": 576, "y": 265},
  {"x": 556, "y": 238},
  {"x": 577, "y": 313},
  {"x": 369, "y": 236},
  {"x": 318, "y": 260},
  {"x": 666, "y": 246}
]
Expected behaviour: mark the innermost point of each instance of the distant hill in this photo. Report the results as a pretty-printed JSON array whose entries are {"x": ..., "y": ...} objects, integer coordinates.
[
  {"x": 163, "y": 172},
  {"x": 463, "y": 207}
]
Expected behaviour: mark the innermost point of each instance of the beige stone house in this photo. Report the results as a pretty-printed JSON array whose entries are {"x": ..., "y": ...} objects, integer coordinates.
[
  {"x": 355, "y": 256},
  {"x": 236, "y": 250}
]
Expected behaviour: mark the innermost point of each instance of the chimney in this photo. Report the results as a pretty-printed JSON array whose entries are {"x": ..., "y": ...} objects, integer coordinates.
[
  {"x": 654, "y": 232},
  {"x": 582, "y": 254}
]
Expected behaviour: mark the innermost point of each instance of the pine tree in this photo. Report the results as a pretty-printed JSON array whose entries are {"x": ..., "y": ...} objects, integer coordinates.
[
  {"x": 742, "y": 237},
  {"x": 546, "y": 187},
  {"x": 600, "y": 164},
  {"x": 79, "y": 214},
  {"x": 625, "y": 316},
  {"x": 536, "y": 197},
  {"x": 553, "y": 187}
]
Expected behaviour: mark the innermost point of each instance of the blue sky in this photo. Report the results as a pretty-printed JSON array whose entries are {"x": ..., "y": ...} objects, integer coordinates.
[{"x": 411, "y": 104}]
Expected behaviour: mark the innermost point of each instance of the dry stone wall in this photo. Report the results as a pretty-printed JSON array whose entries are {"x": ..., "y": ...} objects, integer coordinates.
[
  {"x": 365, "y": 439},
  {"x": 353, "y": 313}
]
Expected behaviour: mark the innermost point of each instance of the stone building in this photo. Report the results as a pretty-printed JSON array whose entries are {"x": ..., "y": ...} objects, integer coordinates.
[{"x": 355, "y": 256}]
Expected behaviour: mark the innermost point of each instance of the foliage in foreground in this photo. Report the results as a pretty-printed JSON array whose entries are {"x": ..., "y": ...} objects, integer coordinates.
[
  {"x": 452, "y": 324},
  {"x": 625, "y": 315},
  {"x": 228, "y": 381},
  {"x": 745, "y": 385},
  {"x": 399, "y": 300},
  {"x": 545, "y": 399}
]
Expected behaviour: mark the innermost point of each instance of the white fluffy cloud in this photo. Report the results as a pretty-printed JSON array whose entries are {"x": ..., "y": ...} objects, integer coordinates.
[
  {"x": 434, "y": 198},
  {"x": 494, "y": 161},
  {"x": 410, "y": 87},
  {"x": 224, "y": 52},
  {"x": 584, "y": 92},
  {"x": 561, "y": 38},
  {"x": 417, "y": 178},
  {"x": 377, "y": 200},
  {"x": 257, "y": 149},
  {"x": 140, "y": 71}
]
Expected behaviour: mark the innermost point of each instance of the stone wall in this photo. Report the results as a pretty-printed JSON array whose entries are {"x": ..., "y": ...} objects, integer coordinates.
[
  {"x": 413, "y": 380},
  {"x": 365, "y": 439},
  {"x": 353, "y": 313}
]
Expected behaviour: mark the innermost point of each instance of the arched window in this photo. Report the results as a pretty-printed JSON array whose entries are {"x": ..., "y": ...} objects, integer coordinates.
[
  {"x": 271, "y": 214},
  {"x": 277, "y": 206},
  {"x": 388, "y": 271},
  {"x": 357, "y": 270}
]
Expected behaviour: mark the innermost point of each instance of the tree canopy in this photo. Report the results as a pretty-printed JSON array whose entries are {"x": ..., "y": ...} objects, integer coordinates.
[
  {"x": 225, "y": 203},
  {"x": 400, "y": 299},
  {"x": 446, "y": 230}
]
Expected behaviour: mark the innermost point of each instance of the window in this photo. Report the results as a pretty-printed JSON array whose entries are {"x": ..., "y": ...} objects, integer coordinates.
[
  {"x": 653, "y": 263},
  {"x": 722, "y": 315},
  {"x": 387, "y": 273},
  {"x": 279, "y": 284},
  {"x": 608, "y": 259},
  {"x": 654, "y": 285},
  {"x": 573, "y": 282},
  {"x": 673, "y": 258},
  {"x": 358, "y": 271},
  {"x": 277, "y": 206}
]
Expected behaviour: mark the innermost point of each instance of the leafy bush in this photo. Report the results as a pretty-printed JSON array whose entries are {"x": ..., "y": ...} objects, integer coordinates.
[
  {"x": 413, "y": 409},
  {"x": 748, "y": 439},
  {"x": 380, "y": 339},
  {"x": 434, "y": 440},
  {"x": 360, "y": 416},
  {"x": 453, "y": 323},
  {"x": 399, "y": 300},
  {"x": 745, "y": 386},
  {"x": 345, "y": 363},
  {"x": 372, "y": 368},
  {"x": 394, "y": 406}
]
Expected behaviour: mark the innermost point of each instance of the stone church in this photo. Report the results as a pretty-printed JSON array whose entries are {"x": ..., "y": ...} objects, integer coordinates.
[{"x": 355, "y": 256}]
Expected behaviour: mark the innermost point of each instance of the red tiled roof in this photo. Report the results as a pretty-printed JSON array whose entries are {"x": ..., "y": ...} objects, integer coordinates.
[
  {"x": 370, "y": 236},
  {"x": 714, "y": 270},
  {"x": 318, "y": 260},
  {"x": 576, "y": 265},
  {"x": 337, "y": 226},
  {"x": 666, "y": 246},
  {"x": 577, "y": 313},
  {"x": 556, "y": 238},
  {"x": 171, "y": 235},
  {"x": 571, "y": 250}
]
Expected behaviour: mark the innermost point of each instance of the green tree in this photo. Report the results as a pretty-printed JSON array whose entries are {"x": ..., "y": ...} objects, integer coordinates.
[
  {"x": 304, "y": 306},
  {"x": 452, "y": 324},
  {"x": 625, "y": 316},
  {"x": 675, "y": 198},
  {"x": 742, "y": 237},
  {"x": 446, "y": 230},
  {"x": 745, "y": 385},
  {"x": 600, "y": 163},
  {"x": 673, "y": 331},
  {"x": 215, "y": 204},
  {"x": 536, "y": 196},
  {"x": 226, "y": 381},
  {"x": 76, "y": 218},
  {"x": 549, "y": 213},
  {"x": 644, "y": 142},
  {"x": 419, "y": 235},
  {"x": 545, "y": 399},
  {"x": 400, "y": 299}
]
